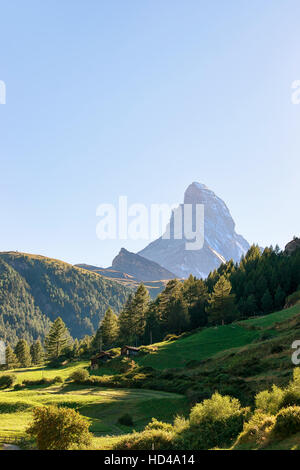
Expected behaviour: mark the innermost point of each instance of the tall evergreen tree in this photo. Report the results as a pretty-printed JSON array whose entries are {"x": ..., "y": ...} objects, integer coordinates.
[
  {"x": 126, "y": 321},
  {"x": 109, "y": 329},
  {"x": 279, "y": 299},
  {"x": 76, "y": 348},
  {"x": 222, "y": 308},
  {"x": 22, "y": 351},
  {"x": 267, "y": 302},
  {"x": 139, "y": 306},
  {"x": 195, "y": 294},
  {"x": 11, "y": 358},
  {"x": 178, "y": 317},
  {"x": 37, "y": 352},
  {"x": 58, "y": 339}
]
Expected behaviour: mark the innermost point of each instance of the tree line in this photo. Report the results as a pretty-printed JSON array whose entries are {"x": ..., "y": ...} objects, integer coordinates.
[{"x": 258, "y": 285}]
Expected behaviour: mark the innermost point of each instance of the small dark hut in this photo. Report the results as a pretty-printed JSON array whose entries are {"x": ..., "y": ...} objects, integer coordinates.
[
  {"x": 99, "y": 359},
  {"x": 129, "y": 351}
]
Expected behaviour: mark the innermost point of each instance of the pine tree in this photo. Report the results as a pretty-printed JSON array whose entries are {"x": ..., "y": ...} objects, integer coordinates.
[
  {"x": 139, "y": 307},
  {"x": 171, "y": 292},
  {"x": 279, "y": 299},
  {"x": 178, "y": 318},
  {"x": 222, "y": 307},
  {"x": 11, "y": 358},
  {"x": 109, "y": 328},
  {"x": 153, "y": 326},
  {"x": 58, "y": 339},
  {"x": 76, "y": 348},
  {"x": 195, "y": 293},
  {"x": 37, "y": 352},
  {"x": 267, "y": 302},
  {"x": 126, "y": 321},
  {"x": 22, "y": 351}
]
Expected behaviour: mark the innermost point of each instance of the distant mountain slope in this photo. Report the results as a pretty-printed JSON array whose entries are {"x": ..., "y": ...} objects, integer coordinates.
[
  {"x": 34, "y": 290},
  {"x": 221, "y": 242},
  {"x": 141, "y": 268},
  {"x": 130, "y": 269}
]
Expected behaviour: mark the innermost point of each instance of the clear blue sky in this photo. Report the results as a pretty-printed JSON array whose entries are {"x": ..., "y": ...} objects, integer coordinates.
[{"x": 140, "y": 98}]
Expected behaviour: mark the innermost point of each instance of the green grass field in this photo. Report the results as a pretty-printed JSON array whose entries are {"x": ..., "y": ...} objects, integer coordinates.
[
  {"x": 211, "y": 341},
  {"x": 101, "y": 406}
]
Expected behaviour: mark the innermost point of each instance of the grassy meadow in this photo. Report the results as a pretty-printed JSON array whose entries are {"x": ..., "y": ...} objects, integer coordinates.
[
  {"x": 102, "y": 406},
  {"x": 244, "y": 353}
]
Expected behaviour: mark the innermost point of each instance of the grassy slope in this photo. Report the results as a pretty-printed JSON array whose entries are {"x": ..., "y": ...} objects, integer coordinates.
[
  {"x": 102, "y": 406},
  {"x": 222, "y": 355},
  {"x": 212, "y": 341}
]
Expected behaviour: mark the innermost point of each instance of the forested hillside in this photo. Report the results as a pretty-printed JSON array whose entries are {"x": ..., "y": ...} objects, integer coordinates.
[{"x": 35, "y": 290}]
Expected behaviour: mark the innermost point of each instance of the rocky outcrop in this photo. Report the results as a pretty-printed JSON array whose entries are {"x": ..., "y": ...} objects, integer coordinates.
[{"x": 292, "y": 246}]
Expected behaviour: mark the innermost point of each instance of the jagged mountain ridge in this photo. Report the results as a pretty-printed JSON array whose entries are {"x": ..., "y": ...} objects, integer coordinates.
[
  {"x": 140, "y": 267},
  {"x": 221, "y": 242}
]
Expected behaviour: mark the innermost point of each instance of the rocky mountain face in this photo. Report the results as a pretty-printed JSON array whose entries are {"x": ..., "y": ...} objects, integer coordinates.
[
  {"x": 221, "y": 242},
  {"x": 140, "y": 268},
  {"x": 292, "y": 246}
]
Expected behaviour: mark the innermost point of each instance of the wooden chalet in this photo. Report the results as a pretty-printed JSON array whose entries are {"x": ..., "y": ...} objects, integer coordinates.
[
  {"x": 129, "y": 351},
  {"x": 99, "y": 359}
]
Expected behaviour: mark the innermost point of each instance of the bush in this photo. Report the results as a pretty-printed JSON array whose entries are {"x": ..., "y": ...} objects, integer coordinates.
[
  {"x": 80, "y": 376},
  {"x": 256, "y": 429},
  {"x": 155, "y": 424},
  {"x": 19, "y": 386},
  {"x": 213, "y": 423},
  {"x": 14, "y": 406},
  {"x": 287, "y": 422},
  {"x": 7, "y": 380},
  {"x": 126, "y": 420},
  {"x": 38, "y": 382},
  {"x": 58, "y": 379},
  {"x": 293, "y": 299},
  {"x": 59, "y": 429},
  {"x": 270, "y": 402},
  {"x": 156, "y": 439}
]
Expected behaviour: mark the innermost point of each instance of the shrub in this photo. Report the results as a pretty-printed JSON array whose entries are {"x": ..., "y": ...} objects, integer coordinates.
[
  {"x": 292, "y": 393},
  {"x": 58, "y": 379},
  {"x": 79, "y": 376},
  {"x": 293, "y": 299},
  {"x": 14, "y": 406},
  {"x": 287, "y": 422},
  {"x": 59, "y": 429},
  {"x": 19, "y": 386},
  {"x": 157, "y": 439},
  {"x": 38, "y": 382},
  {"x": 214, "y": 422},
  {"x": 7, "y": 380},
  {"x": 270, "y": 402},
  {"x": 126, "y": 420},
  {"x": 256, "y": 429},
  {"x": 155, "y": 424}
]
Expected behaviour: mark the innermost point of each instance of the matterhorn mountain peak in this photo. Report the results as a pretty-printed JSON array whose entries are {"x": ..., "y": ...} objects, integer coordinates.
[{"x": 221, "y": 242}]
